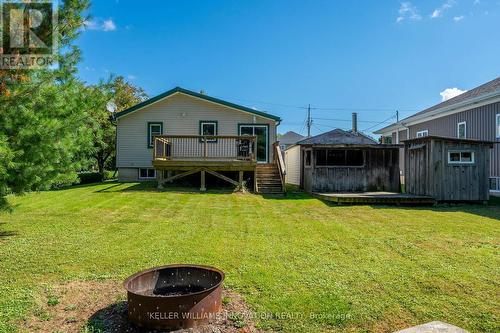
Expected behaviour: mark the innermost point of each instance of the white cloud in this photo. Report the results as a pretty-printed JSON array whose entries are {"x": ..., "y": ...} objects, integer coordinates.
[
  {"x": 132, "y": 77},
  {"x": 408, "y": 11},
  {"x": 438, "y": 12},
  {"x": 458, "y": 18},
  {"x": 449, "y": 93},
  {"x": 477, "y": 2},
  {"x": 108, "y": 25},
  {"x": 100, "y": 24}
]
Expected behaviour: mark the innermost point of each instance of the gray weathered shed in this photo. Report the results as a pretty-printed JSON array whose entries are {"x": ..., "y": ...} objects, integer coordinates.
[
  {"x": 448, "y": 169},
  {"x": 348, "y": 161}
]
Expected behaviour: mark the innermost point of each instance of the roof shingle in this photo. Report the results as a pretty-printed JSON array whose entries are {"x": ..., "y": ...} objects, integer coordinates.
[{"x": 339, "y": 137}]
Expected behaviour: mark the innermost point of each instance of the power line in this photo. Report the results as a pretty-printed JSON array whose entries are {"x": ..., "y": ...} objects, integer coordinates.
[
  {"x": 349, "y": 120},
  {"x": 380, "y": 123},
  {"x": 328, "y": 108}
]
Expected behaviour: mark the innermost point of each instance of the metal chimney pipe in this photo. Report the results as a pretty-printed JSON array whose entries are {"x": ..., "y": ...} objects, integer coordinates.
[{"x": 355, "y": 122}]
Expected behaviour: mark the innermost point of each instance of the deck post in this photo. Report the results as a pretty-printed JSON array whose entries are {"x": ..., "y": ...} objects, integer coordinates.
[
  {"x": 240, "y": 179},
  {"x": 159, "y": 178},
  {"x": 255, "y": 181},
  {"x": 203, "y": 187}
]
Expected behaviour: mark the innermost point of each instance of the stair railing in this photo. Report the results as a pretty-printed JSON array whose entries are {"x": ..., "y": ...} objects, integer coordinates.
[{"x": 278, "y": 160}]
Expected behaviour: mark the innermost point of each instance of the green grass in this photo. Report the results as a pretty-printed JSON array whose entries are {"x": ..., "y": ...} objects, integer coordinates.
[{"x": 315, "y": 267}]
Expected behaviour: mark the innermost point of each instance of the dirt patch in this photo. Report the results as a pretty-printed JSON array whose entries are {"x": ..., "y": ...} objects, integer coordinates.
[{"x": 95, "y": 306}]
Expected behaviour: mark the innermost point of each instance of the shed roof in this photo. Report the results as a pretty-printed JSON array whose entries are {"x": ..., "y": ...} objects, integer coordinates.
[
  {"x": 444, "y": 138},
  {"x": 339, "y": 137}
]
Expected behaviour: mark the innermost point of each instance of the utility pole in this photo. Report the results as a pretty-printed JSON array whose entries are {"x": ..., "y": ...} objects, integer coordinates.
[
  {"x": 309, "y": 121},
  {"x": 397, "y": 116}
]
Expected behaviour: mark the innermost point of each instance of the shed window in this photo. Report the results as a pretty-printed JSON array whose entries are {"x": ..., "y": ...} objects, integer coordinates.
[
  {"x": 423, "y": 133},
  {"x": 495, "y": 184},
  {"x": 147, "y": 173},
  {"x": 462, "y": 130},
  {"x": 308, "y": 158},
  {"x": 461, "y": 157},
  {"x": 339, "y": 157},
  {"x": 498, "y": 125},
  {"x": 153, "y": 130}
]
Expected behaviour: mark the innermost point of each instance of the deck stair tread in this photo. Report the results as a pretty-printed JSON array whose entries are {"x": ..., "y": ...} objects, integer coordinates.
[{"x": 268, "y": 179}]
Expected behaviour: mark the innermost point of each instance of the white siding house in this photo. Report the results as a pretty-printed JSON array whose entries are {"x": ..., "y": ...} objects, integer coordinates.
[
  {"x": 183, "y": 112},
  {"x": 292, "y": 163}
]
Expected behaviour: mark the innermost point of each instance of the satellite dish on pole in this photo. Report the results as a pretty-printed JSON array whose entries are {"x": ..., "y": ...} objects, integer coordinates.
[{"x": 111, "y": 106}]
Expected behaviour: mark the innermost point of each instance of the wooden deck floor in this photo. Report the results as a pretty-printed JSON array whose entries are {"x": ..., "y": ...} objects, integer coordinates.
[
  {"x": 217, "y": 164},
  {"x": 376, "y": 198}
]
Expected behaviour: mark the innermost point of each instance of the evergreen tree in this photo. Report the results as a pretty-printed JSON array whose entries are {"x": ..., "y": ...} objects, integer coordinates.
[{"x": 41, "y": 137}]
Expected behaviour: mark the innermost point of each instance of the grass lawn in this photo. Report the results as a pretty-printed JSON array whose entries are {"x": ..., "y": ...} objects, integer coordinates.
[{"x": 340, "y": 269}]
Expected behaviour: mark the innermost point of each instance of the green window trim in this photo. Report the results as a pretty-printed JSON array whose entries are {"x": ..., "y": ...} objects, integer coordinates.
[
  {"x": 211, "y": 122},
  {"x": 150, "y": 142}
]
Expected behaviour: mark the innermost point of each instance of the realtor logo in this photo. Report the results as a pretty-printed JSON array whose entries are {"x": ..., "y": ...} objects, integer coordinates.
[{"x": 28, "y": 36}]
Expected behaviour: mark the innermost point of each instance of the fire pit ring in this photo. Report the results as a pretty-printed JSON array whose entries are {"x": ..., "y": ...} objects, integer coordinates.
[{"x": 174, "y": 296}]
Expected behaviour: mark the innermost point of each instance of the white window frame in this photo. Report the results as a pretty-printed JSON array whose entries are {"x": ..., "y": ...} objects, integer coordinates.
[
  {"x": 473, "y": 157},
  {"x": 497, "y": 189},
  {"x": 464, "y": 123},
  {"x": 421, "y": 134},
  {"x": 497, "y": 122},
  {"x": 145, "y": 178}
]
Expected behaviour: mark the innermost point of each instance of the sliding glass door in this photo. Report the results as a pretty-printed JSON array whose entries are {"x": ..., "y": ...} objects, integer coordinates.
[{"x": 262, "y": 134}]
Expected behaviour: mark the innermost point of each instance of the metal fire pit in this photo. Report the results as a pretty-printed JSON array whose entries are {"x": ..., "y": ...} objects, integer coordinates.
[{"x": 174, "y": 297}]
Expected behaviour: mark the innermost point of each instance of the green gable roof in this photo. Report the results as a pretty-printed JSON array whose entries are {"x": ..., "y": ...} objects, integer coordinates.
[{"x": 194, "y": 94}]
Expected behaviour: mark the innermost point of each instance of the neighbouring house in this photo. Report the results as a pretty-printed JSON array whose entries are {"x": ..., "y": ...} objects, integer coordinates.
[
  {"x": 448, "y": 169},
  {"x": 289, "y": 139},
  {"x": 180, "y": 133},
  {"x": 475, "y": 114},
  {"x": 343, "y": 161}
]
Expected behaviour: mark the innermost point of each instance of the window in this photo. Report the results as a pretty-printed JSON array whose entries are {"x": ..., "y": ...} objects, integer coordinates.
[
  {"x": 153, "y": 130},
  {"x": 462, "y": 130},
  {"x": 340, "y": 157},
  {"x": 147, "y": 173},
  {"x": 308, "y": 158},
  {"x": 461, "y": 157},
  {"x": 209, "y": 128},
  {"x": 387, "y": 140},
  {"x": 423, "y": 133},
  {"x": 495, "y": 184},
  {"x": 498, "y": 125}
]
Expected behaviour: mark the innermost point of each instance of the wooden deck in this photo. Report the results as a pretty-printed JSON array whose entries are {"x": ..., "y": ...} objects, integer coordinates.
[
  {"x": 221, "y": 153},
  {"x": 380, "y": 198},
  {"x": 219, "y": 164}
]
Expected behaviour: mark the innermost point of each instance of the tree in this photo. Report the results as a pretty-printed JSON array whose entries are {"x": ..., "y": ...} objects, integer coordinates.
[
  {"x": 41, "y": 137},
  {"x": 119, "y": 95}
]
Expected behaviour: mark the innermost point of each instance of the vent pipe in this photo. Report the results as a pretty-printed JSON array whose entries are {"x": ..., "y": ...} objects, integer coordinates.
[{"x": 355, "y": 122}]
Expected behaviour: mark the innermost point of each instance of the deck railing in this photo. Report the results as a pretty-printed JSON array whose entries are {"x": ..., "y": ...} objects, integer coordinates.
[
  {"x": 204, "y": 147},
  {"x": 278, "y": 159}
]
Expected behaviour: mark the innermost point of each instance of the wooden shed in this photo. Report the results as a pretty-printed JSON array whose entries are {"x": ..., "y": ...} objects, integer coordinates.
[
  {"x": 448, "y": 169},
  {"x": 348, "y": 161}
]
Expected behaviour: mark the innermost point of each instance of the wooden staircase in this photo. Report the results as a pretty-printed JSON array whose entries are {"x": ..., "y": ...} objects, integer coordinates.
[{"x": 268, "y": 179}]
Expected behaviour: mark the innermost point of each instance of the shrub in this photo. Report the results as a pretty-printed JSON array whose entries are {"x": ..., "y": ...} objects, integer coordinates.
[{"x": 90, "y": 177}]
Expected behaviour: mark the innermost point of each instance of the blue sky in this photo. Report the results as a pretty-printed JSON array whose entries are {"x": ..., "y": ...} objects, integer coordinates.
[{"x": 373, "y": 57}]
